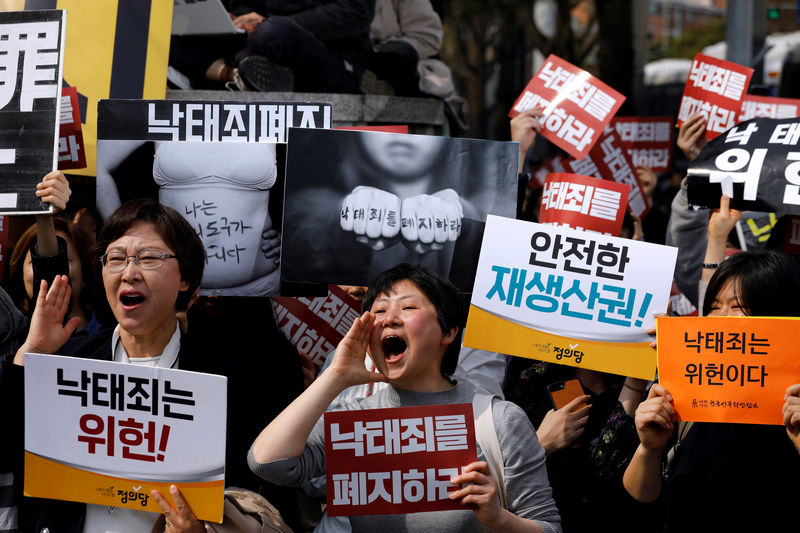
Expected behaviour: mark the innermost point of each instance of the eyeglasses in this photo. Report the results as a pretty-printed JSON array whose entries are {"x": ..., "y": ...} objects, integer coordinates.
[{"x": 145, "y": 259}]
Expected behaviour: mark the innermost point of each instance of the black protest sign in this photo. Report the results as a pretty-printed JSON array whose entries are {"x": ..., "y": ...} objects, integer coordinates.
[
  {"x": 359, "y": 202},
  {"x": 756, "y": 163},
  {"x": 219, "y": 164},
  {"x": 31, "y": 45}
]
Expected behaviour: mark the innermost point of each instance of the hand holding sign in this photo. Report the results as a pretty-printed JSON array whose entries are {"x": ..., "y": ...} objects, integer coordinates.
[
  {"x": 791, "y": 414},
  {"x": 655, "y": 419},
  {"x": 524, "y": 128},
  {"x": 429, "y": 221},
  {"x": 372, "y": 215},
  {"x": 481, "y": 491},
  {"x": 54, "y": 189},
  {"x": 178, "y": 519},
  {"x": 691, "y": 136}
]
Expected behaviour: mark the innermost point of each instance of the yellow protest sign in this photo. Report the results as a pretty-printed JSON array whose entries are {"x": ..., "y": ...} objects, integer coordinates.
[
  {"x": 114, "y": 49},
  {"x": 728, "y": 369}
]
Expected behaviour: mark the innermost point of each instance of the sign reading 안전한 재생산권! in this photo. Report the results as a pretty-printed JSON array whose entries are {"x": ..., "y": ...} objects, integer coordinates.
[
  {"x": 756, "y": 163},
  {"x": 31, "y": 58},
  {"x": 397, "y": 460},
  {"x": 569, "y": 297},
  {"x": 728, "y": 369},
  {"x": 715, "y": 88},
  {"x": 583, "y": 203},
  {"x": 576, "y": 106},
  {"x": 109, "y": 433}
]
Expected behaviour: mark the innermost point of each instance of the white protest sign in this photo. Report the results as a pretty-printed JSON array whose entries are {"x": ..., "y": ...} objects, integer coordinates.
[
  {"x": 109, "y": 433},
  {"x": 568, "y": 296}
]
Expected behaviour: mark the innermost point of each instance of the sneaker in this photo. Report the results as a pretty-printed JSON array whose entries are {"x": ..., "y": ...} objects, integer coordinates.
[{"x": 257, "y": 73}]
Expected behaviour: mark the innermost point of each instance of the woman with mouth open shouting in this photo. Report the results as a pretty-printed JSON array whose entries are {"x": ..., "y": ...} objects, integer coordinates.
[{"x": 411, "y": 328}]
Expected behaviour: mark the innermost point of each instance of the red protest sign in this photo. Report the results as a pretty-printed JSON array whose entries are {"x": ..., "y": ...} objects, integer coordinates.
[
  {"x": 577, "y": 106},
  {"x": 71, "y": 151},
  {"x": 648, "y": 140},
  {"x": 584, "y": 203},
  {"x": 768, "y": 107},
  {"x": 316, "y": 325},
  {"x": 385, "y": 129},
  {"x": 399, "y": 460},
  {"x": 715, "y": 89},
  {"x": 609, "y": 160}
]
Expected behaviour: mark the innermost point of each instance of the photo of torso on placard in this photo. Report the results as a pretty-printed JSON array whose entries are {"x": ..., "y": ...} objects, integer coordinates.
[{"x": 360, "y": 202}]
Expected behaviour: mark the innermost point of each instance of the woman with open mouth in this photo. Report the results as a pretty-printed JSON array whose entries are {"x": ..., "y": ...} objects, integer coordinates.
[{"x": 411, "y": 329}]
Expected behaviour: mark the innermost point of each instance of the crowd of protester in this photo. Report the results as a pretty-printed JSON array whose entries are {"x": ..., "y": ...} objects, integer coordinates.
[{"x": 614, "y": 459}]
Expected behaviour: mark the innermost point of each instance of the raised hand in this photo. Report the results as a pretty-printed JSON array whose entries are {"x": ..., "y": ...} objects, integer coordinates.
[
  {"x": 524, "y": 128},
  {"x": 691, "y": 136},
  {"x": 655, "y": 419},
  {"x": 54, "y": 189},
  {"x": 348, "y": 360},
  {"x": 791, "y": 414},
  {"x": 48, "y": 332}
]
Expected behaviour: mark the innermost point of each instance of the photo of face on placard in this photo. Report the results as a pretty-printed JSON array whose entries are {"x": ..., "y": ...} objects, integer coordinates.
[
  {"x": 360, "y": 202},
  {"x": 228, "y": 191}
]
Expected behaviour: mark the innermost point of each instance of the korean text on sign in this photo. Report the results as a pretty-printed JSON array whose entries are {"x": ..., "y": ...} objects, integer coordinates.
[
  {"x": 400, "y": 460},
  {"x": 124, "y": 430},
  {"x": 727, "y": 369},
  {"x": 768, "y": 107},
  {"x": 715, "y": 89},
  {"x": 648, "y": 140},
  {"x": 590, "y": 297},
  {"x": 583, "y": 203},
  {"x": 576, "y": 106},
  {"x": 316, "y": 325}
]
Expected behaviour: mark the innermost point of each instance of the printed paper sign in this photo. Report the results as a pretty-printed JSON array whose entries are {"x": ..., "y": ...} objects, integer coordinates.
[
  {"x": 756, "y": 163},
  {"x": 647, "y": 139},
  {"x": 577, "y": 106},
  {"x": 569, "y": 297},
  {"x": 31, "y": 57},
  {"x": 109, "y": 433},
  {"x": 219, "y": 165},
  {"x": 71, "y": 152},
  {"x": 583, "y": 203},
  {"x": 768, "y": 107},
  {"x": 369, "y": 200},
  {"x": 609, "y": 160},
  {"x": 728, "y": 369},
  {"x": 399, "y": 460},
  {"x": 116, "y": 49},
  {"x": 316, "y": 325},
  {"x": 715, "y": 89}
]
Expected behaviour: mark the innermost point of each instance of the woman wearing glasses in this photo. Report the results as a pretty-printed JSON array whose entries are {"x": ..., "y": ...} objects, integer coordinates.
[{"x": 152, "y": 264}]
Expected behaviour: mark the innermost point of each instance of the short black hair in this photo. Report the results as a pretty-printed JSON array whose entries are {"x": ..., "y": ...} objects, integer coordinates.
[
  {"x": 171, "y": 227},
  {"x": 766, "y": 283},
  {"x": 444, "y": 296}
]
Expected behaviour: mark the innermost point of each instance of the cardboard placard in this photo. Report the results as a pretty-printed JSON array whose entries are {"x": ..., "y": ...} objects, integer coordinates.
[
  {"x": 31, "y": 58},
  {"x": 316, "y": 326},
  {"x": 577, "y": 106},
  {"x": 583, "y": 203},
  {"x": 569, "y": 297},
  {"x": 367, "y": 201},
  {"x": 647, "y": 139},
  {"x": 71, "y": 151},
  {"x": 398, "y": 460},
  {"x": 609, "y": 160},
  {"x": 216, "y": 163},
  {"x": 728, "y": 369},
  {"x": 768, "y": 107},
  {"x": 117, "y": 49},
  {"x": 109, "y": 433},
  {"x": 715, "y": 89},
  {"x": 756, "y": 163}
]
